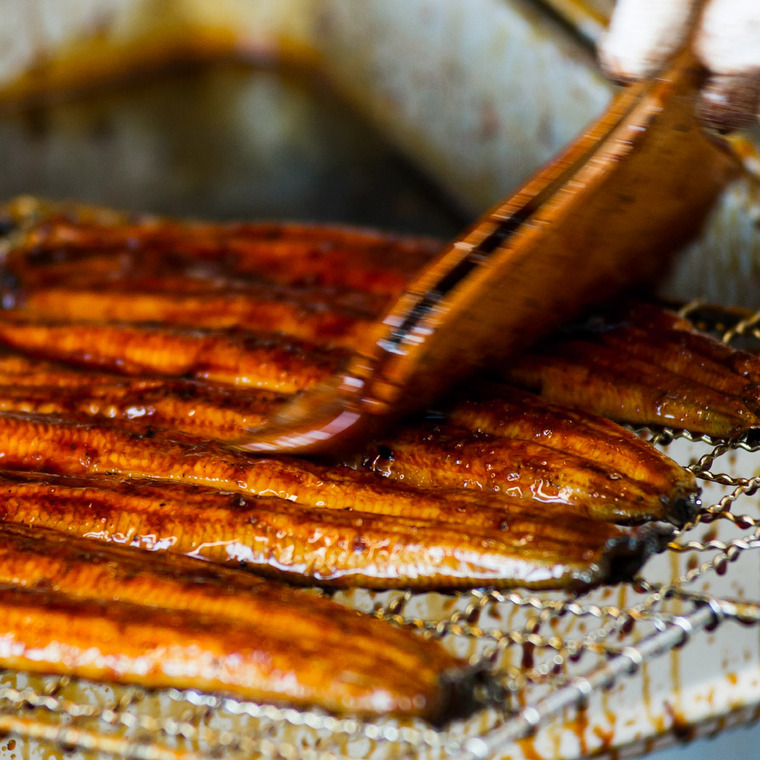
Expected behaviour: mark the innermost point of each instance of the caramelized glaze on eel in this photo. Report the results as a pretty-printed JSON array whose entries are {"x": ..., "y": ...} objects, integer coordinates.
[
  {"x": 644, "y": 365},
  {"x": 76, "y": 607},
  {"x": 136, "y": 347}
]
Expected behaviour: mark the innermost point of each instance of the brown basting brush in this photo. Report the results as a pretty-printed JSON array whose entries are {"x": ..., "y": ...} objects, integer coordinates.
[{"x": 603, "y": 215}]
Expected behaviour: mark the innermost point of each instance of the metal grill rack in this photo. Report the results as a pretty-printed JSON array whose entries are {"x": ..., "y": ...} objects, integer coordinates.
[{"x": 572, "y": 675}]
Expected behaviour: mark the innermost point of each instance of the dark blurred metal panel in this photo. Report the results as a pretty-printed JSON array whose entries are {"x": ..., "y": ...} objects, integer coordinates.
[{"x": 220, "y": 140}]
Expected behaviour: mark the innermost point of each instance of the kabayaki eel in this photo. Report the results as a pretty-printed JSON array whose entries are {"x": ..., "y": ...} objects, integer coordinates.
[
  {"x": 307, "y": 522},
  {"x": 321, "y": 284},
  {"x": 115, "y": 446},
  {"x": 242, "y": 358},
  {"x": 76, "y": 607},
  {"x": 277, "y": 364},
  {"x": 641, "y": 364},
  {"x": 507, "y": 442},
  {"x": 135, "y": 404},
  {"x": 92, "y": 293}
]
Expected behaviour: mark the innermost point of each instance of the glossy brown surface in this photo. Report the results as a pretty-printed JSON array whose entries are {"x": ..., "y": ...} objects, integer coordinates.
[
  {"x": 516, "y": 444},
  {"x": 641, "y": 367},
  {"x": 518, "y": 415},
  {"x": 507, "y": 441},
  {"x": 138, "y": 403},
  {"x": 233, "y": 358},
  {"x": 139, "y": 412},
  {"x": 187, "y": 624},
  {"x": 216, "y": 257},
  {"x": 307, "y": 322},
  {"x": 443, "y": 540}
]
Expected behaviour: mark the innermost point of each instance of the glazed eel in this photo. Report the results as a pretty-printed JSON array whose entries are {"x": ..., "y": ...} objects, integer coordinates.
[
  {"x": 73, "y": 606},
  {"x": 333, "y": 527},
  {"x": 642, "y": 364},
  {"x": 90, "y": 390},
  {"x": 498, "y": 439}
]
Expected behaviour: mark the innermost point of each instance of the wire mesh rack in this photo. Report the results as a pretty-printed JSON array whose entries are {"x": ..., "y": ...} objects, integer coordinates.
[{"x": 571, "y": 675}]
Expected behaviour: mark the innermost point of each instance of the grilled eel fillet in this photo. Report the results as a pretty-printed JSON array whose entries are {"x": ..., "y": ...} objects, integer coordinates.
[
  {"x": 303, "y": 521},
  {"x": 641, "y": 364},
  {"x": 508, "y": 442},
  {"x": 77, "y": 607},
  {"x": 80, "y": 286},
  {"x": 512, "y": 442}
]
